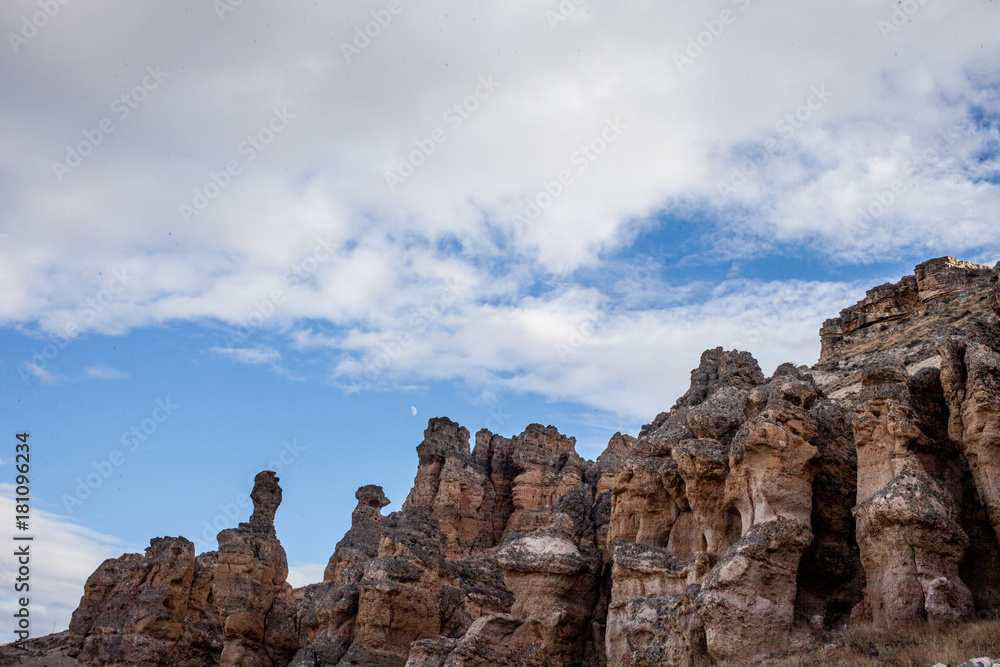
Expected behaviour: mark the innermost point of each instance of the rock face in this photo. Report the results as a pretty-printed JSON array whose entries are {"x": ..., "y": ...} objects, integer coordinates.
[
  {"x": 908, "y": 526},
  {"x": 168, "y": 607},
  {"x": 529, "y": 517},
  {"x": 906, "y": 319},
  {"x": 152, "y": 609},
  {"x": 360, "y": 544},
  {"x": 249, "y": 586},
  {"x": 970, "y": 379},
  {"x": 756, "y": 511},
  {"x": 713, "y": 511},
  {"x": 326, "y": 612}
]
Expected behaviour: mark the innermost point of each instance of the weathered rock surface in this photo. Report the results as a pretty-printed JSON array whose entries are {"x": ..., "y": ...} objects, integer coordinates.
[
  {"x": 747, "y": 601},
  {"x": 360, "y": 544},
  {"x": 970, "y": 378},
  {"x": 652, "y": 618},
  {"x": 915, "y": 512},
  {"x": 905, "y": 319},
  {"x": 249, "y": 586},
  {"x": 755, "y": 511},
  {"x": 151, "y": 609}
]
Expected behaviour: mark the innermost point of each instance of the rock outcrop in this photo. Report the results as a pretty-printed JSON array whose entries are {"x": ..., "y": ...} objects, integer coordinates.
[
  {"x": 755, "y": 512},
  {"x": 326, "y": 611},
  {"x": 530, "y": 515},
  {"x": 908, "y": 526},
  {"x": 249, "y": 586},
  {"x": 970, "y": 379},
  {"x": 906, "y": 319},
  {"x": 151, "y": 609},
  {"x": 714, "y": 500}
]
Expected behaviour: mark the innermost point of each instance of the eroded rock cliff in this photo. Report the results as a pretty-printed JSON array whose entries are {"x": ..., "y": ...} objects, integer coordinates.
[{"x": 754, "y": 512}]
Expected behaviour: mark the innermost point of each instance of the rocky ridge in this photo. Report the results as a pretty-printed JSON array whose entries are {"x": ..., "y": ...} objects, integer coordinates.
[{"x": 756, "y": 511}]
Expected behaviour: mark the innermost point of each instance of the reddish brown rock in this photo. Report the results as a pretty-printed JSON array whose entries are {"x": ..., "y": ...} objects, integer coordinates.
[
  {"x": 325, "y": 612},
  {"x": 652, "y": 619},
  {"x": 553, "y": 580},
  {"x": 945, "y": 280},
  {"x": 704, "y": 467},
  {"x": 719, "y": 534},
  {"x": 647, "y": 500},
  {"x": 360, "y": 544},
  {"x": 748, "y": 600},
  {"x": 399, "y": 595},
  {"x": 742, "y": 493},
  {"x": 611, "y": 459},
  {"x": 249, "y": 580},
  {"x": 905, "y": 319},
  {"x": 451, "y": 485},
  {"x": 772, "y": 468},
  {"x": 152, "y": 609}
]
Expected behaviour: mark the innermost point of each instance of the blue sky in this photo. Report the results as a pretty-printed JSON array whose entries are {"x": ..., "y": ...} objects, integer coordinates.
[{"x": 264, "y": 241}]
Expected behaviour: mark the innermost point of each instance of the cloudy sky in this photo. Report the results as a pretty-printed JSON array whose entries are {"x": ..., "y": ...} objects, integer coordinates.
[{"x": 237, "y": 235}]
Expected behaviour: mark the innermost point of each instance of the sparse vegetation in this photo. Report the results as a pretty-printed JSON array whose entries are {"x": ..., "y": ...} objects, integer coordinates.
[{"x": 915, "y": 646}]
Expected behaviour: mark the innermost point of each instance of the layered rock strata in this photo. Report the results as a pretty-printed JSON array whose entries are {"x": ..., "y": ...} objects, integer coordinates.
[{"x": 905, "y": 319}]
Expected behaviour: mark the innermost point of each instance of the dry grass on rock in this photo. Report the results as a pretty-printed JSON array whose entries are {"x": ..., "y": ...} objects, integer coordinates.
[{"x": 917, "y": 646}]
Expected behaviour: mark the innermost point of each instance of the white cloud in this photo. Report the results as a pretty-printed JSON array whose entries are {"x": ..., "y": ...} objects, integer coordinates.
[
  {"x": 105, "y": 372},
  {"x": 583, "y": 347},
  {"x": 249, "y": 355},
  {"x": 63, "y": 555},
  {"x": 308, "y": 239},
  {"x": 303, "y": 574},
  {"x": 33, "y": 369}
]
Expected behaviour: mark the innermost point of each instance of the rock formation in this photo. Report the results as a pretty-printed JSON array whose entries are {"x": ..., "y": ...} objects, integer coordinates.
[
  {"x": 756, "y": 511},
  {"x": 907, "y": 319},
  {"x": 249, "y": 586},
  {"x": 152, "y": 609}
]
